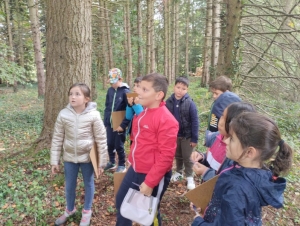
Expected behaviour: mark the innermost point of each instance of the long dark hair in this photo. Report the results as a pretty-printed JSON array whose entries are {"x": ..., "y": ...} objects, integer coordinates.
[{"x": 262, "y": 133}]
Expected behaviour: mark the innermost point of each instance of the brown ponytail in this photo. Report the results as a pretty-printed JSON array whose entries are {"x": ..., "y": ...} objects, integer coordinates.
[
  {"x": 262, "y": 133},
  {"x": 283, "y": 159}
]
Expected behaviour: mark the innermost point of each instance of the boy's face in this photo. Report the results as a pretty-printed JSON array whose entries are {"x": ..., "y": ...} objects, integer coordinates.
[
  {"x": 135, "y": 87},
  {"x": 148, "y": 97},
  {"x": 180, "y": 90},
  {"x": 216, "y": 93},
  {"x": 116, "y": 85}
]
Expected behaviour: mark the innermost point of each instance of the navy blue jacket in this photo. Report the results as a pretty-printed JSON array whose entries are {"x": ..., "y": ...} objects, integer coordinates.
[
  {"x": 239, "y": 195},
  {"x": 119, "y": 105},
  {"x": 189, "y": 121},
  {"x": 218, "y": 107}
]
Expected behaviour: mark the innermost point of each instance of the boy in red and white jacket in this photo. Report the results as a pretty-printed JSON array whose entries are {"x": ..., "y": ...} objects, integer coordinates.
[{"x": 154, "y": 135}]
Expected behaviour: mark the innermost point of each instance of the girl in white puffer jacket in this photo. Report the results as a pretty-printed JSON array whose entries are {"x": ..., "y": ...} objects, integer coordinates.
[{"x": 77, "y": 127}]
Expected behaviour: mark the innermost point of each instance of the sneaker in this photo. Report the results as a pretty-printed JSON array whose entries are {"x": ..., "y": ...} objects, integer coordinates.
[
  {"x": 110, "y": 166},
  {"x": 176, "y": 176},
  {"x": 190, "y": 183},
  {"x": 86, "y": 217},
  {"x": 63, "y": 218},
  {"x": 121, "y": 169}
]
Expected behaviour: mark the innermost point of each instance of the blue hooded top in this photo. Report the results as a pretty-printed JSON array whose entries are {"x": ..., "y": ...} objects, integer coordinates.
[
  {"x": 239, "y": 195},
  {"x": 219, "y": 106},
  {"x": 118, "y": 103}
]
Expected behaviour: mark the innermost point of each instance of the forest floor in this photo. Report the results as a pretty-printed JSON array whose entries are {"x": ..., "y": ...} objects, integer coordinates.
[{"x": 30, "y": 195}]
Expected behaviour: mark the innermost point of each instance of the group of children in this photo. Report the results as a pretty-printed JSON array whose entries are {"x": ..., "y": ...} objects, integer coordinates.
[{"x": 238, "y": 139}]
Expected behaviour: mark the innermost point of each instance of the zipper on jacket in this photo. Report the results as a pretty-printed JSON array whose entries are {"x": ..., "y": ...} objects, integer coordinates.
[
  {"x": 76, "y": 133},
  {"x": 135, "y": 139}
]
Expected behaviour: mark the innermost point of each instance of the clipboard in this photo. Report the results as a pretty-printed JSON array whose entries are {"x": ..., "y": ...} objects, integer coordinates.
[
  {"x": 118, "y": 178},
  {"x": 94, "y": 159},
  {"x": 202, "y": 194},
  {"x": 117, "y": 117},
  {"x": 134, "y": 95}
]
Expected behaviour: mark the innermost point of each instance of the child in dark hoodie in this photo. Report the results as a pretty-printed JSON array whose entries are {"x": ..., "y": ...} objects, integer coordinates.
[
  {"x": 243, "y": 189},
  {"x": 221, "y": 89}
]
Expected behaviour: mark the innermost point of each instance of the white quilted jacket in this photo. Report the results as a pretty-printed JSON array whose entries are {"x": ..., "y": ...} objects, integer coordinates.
[{"x": 76, "y": 133}]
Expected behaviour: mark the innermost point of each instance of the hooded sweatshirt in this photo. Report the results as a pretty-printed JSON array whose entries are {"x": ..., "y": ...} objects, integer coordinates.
[
  {"x": 239, "y": 195},
  {"x": 218, "y": 107},
  {"x": 116, "y": 100}
]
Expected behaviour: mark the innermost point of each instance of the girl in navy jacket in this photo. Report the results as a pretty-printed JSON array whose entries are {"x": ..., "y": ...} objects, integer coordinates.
[{"x": 243, "y": 189}]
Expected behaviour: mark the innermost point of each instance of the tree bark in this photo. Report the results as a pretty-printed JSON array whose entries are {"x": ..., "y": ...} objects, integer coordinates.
[
  {"x": 150, "y": 52},
  {"x": 139, "y": 33},
  {"x": 68, "y": 56},
  {"x": 216, "y": 30},
  {"x": 234, "y": 11},
  {"x": 166, "y": 39},
  {"x": 207, "y": 45},
  {"x": 10, "y": 39},
  {"x": 187, "y": 31},
  {"x": 110, "y": 53},
  {"x": 104, "y": 44},
  {"x": 129, "y": 51},
  {"x": 36, "y": 38}
]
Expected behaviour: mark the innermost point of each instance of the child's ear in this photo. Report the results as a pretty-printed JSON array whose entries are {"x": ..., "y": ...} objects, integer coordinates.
[
  {"x": 160, "y": 95},
  {"x": 252, "y": 153}
]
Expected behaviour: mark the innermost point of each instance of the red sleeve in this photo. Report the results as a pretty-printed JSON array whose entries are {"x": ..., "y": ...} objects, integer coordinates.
[{"x": 167, "y": 142}]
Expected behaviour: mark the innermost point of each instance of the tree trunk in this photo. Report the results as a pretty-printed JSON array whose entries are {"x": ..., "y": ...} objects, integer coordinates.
[
  {"x": 10, "y": 39},
  {"x": 166, "y": 39},
  {"x": 129, "y": 51},
  {"x": 139, "y": 33},
  {"x": 216, "y": 30},
  {"x": 68, "y": 55},
  {"x": 176, "y": 38},
  {"x": 125, "y": 46},
  {"x": 152, "y": 39},
  {"x": 234, "y": 11},
  {"x": 20, "y": 46},
  {"x": 150, "y": 54},
  {"x": 173, "y": 46},
  {"x": 103, "y": 37},
  {"x": 220, "y": 65},
  {"x": 207, "y": 45},
  {"x": 187, "y": 31},
  {"x": 35, "y": 30},
  {"x": 110, "y": 53}
]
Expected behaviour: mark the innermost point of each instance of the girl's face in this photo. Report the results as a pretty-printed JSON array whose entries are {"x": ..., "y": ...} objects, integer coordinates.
[
  {"x": 135, "y": 87},
  {"x": 234, "y": 148},
  {"x": 77, "y": 99},
  {"x": 221, "y": 125}
]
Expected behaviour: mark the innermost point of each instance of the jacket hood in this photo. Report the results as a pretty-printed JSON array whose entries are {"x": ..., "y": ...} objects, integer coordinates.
[
  {"x": 125, "y": 85},
  {"x": 91, "y": 106},
  {"x": 223, "y": 101},
  {"x": 269, "y": 191}
]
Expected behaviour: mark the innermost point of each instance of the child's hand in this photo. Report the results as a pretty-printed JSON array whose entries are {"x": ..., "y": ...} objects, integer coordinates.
[
  {"x": 55, "y": 169},
  {"x": 130, "y": 101},
  {"x": 199, "y": 168},
  {"x": 196, "y": 210},
  {"x": 192, "y": 144},
  {"x": 100, "y": 170},
  {"x": 136, "y": 100},
  {"x": 119, "y": 129},
  {"x": 196, "y": 156},
  {"x": 145, "y": 189}
]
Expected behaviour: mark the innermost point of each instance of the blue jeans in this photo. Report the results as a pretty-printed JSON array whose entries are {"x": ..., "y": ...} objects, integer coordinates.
[
  {"x": 71, "y": 173},
  {"x": 132, "y": 176},
  {"x": 115, "y": 141}
]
